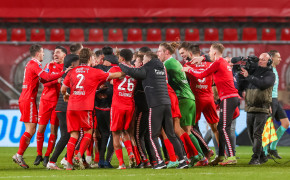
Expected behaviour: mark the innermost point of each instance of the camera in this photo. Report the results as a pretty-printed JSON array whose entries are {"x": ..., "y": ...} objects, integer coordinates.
[{"x": 250, "y": 64}]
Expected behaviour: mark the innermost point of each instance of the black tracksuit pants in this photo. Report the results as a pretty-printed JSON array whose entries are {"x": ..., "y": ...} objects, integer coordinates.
[
  {"x": 227, "y": 110},
  {"x": 160, "y": 116}
]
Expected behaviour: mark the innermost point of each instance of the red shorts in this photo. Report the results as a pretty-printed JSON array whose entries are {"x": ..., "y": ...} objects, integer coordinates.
[
  {"x": 121, "y": 118},
  {"x": 79, "y": 119},
  {"x": 47, "y": 112},
  {"x": 175, "y": 111},
  {"x": 28, "y": 111},
  {"x": 236, "y": 113},
  {"x": 208, "y": 108}
]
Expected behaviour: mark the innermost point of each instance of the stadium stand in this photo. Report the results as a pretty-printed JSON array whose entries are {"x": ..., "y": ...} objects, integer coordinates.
[
  {"x": 76, "y": 34},
  {"x": 3, "y": 34},
  {"x": 37, "y": 34},
  {"x": 96, "y": 34},
  {"x": 115, "y": 34},
  {"x": 18, "y": 34},
  {"x": 285, "y": 34},
  {"x": 211, "y": 34},
  {"x": 269, "y": 34},
  {"x": 249, "y": 34},
  {"x": 153, "y": 34},
  {"x": 134, "y": 34},
  {"x": 230, "y": 34},
  {"x": 191, "y": 34},
  {"x": 172, "y": 34},
  {"x": 57, "y": 34}
]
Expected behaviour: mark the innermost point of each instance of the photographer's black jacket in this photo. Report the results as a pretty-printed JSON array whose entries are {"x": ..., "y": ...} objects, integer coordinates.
[
  {"x": 153, "y": 79},
  {"x": 259, "y": 90}
]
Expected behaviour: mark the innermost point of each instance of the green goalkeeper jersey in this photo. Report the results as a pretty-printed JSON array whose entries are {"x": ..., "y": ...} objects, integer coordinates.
[{"x": 177, "y": 79}]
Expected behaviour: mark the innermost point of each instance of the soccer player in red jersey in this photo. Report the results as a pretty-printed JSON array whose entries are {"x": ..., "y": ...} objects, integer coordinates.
[
  {"x": 202, "y": 90},
  {"x": 223, "y": 78},
  {"x": 47, "y": 106},
  {"x": 27, "y": 101},
  {"x": 83, "y": 82},
  {"x": 122, "y": 109}
]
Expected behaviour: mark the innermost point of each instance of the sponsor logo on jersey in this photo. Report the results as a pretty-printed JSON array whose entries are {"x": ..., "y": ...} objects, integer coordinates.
[
  {"x": 201, "y": 86},
  {"x": 159, "y": 72}
]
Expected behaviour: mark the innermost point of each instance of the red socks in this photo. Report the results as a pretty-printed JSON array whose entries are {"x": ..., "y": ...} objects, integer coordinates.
[
  {"x": 97, "y": 157},
  {"x": 70, "y": 149},
  {"x": 187, "y": 150},
  {"x": 85, "y": 143},
  {"x": 90, "y": 148},
  {"x": 170, "y": 150},
  {"x": 119, "y": 154},
  {"x": 190, "y": 144},
  {"x": 40, "y": 139},
  {"x": 24, "y": 142},
  {"x": 128, "y": 146},
  {"x": 51, "y": 143},
  {"x": 137, "y": 155}
]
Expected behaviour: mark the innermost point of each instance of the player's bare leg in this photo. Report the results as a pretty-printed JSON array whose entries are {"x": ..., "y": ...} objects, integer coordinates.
[
  {"x": 215, "y": 131},
  {"x": 118, "y": 148},
  {"x": 40, "y": 140},
  {"x": 131, "y": 131}
]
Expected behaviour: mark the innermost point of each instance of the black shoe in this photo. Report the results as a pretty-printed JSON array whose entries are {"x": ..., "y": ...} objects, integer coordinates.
[
  {"x": 263, "y": 159},
  {"x": 182, "y": 165},
  {"x": 275, "y": 154},
  {"x": 38, "y": 160},
  {"x": 161, "y": 165},
  {"x": 254, "y": 161},
  {"x": 108, "y": 165},
  {"x": 141, "y": 165},
  {"x": 45, "y": 161},
  {"x": 269, "y": 156}
]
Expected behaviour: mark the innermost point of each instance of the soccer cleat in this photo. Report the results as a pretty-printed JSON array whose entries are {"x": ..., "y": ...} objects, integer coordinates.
[
  {"x": 203, "y": 162},
  {"x": 79, "y": 161},
  {"x": 94, "y": 165},
  {"x": 45, "y": 161},
  {"x": 64, "y": 162},
  {"x": 19, "y": 160},
  {"x": 172, "y": 164},
  {"x": 122, "y": 167},
  {"x": 52, "y": 166},
  {"x": 107, "y": 164},
  {"x": 148, "y": 165},
  {"x": 132, "y": 161},
  {"x": 69, "y": 166},
  {"x": 275, "y": 154},
  {"x": 101, "y": 164},
  {"x": 141, "y": 165},
  {"x": 229, "y": 161},
  {"x": 182, "y": 165},
  {"x": 209, "y": 154},
  {"x": 161, "y": 165},
  {"x": 193, "y": 160},
  {"x": 38, "y": 160},
  {"x": 86, "y": 165},
  {"x": 89, "y": 159},
  {"x": 269, "y": 156},
  {"x": 254, "y": 161},
  {"x": 217, "y": 160}
]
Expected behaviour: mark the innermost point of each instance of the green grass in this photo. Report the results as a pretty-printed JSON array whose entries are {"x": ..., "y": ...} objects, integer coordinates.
[{"x": 243, "y": 171}]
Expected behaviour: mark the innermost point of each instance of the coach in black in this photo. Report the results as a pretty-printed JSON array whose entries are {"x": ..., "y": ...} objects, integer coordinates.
[{"x": 153, "y": 77}]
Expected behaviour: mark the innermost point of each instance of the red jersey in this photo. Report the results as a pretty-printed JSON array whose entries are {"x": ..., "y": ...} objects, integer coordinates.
[
  {"x": 51, "y": 89},
  {"x": 32, "y": 72},
  {"x": 123, "y": 94},
  {"x": 201, "y": 88},
  {"x": 83, "y": 82},
  {"x": 222, "y": 76}
]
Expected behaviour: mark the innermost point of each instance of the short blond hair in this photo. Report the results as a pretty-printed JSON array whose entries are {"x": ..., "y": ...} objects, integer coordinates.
[{"x": 218, "y": 46}]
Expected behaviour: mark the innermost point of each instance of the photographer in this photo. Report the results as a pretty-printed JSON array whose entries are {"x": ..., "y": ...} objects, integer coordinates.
[{"x": 258, "y": 100}]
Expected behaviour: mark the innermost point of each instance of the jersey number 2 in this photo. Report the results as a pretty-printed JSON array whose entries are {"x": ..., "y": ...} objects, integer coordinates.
[
  {"x": 130, "y": 86},
  {"x": 81, "y": 78}
]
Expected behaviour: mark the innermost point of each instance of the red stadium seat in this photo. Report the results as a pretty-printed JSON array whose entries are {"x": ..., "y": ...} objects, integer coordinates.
[
  {"x": 57, "y": 34},
  {"x": 285, "y": 34},
  {"x": 211, "y": 34},
  {"x": 230, "y": 34},
  {"x": 191, "y": 34},
  {"x": 249, "y": 34},
  {"x": 37, "y": 34},
  {"x": 269, "y": 34},
  {"x": 3, "y": 34},
  {"x": 96, "y": 34},
  {"x": 134, "y": 34},
  {"x": 76, "y": 34},
  {"x": 153, "y": 34},
  {"x": 115, "y": 35},
  {"x": 172, "y": 34},
  {"x": 18, "y": 34}
]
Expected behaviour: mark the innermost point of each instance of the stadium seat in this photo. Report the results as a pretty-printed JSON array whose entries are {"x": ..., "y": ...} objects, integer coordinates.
[
  {"x": 153, "y": 34},
  {"x": 37, "y": 34},
  {"x": 115, "y": 34},
  {"x": 211, "y": 34},
  {"x": 3, "y": 34},
  {"x": 57, "y": 34},
  {"x": 76, "y": 34},
  {"x": 134, "y": 34},
  {"x": 285, "y": 34},
  {"x": 18, "y": 34},
  {"x": 230, "y": 34},
  {"x": 172, "y": 34},
  {"x": 191, "y": 34},
  {"x": 269, "y": 34},
  {"x": 249, "y": 34},
  {"x": 96, "y": 34}
]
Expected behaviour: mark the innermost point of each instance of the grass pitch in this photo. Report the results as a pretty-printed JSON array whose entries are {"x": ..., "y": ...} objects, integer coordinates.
[{"x": 243, "y": 171}]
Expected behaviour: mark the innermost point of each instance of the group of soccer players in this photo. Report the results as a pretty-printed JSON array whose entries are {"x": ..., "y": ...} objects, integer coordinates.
[{"x": 102, "y": 100}]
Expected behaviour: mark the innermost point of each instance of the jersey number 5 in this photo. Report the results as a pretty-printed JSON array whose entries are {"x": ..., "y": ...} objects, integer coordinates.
[{"x": 130, "y": 86}]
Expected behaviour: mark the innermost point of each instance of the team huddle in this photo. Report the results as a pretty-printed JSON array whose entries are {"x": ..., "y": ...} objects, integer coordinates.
[{"x": 101, "y": 100}]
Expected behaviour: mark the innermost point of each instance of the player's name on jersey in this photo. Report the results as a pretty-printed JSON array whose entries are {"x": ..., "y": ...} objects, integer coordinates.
[
  {"x": 82, "y": 70},
  {"x": 201, "y": 86},
  {"x": 125, "y": 94},
  {"x": 79, "y": 92}
]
